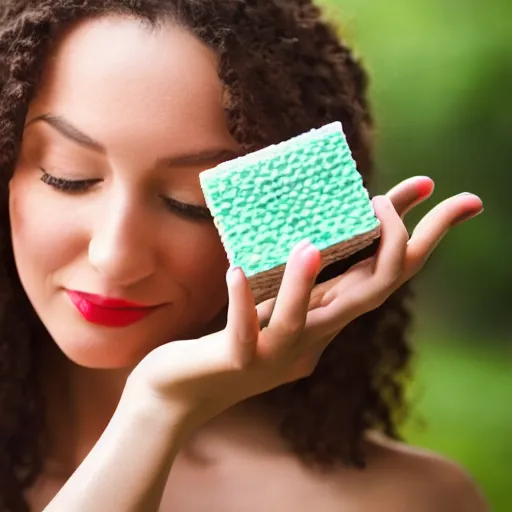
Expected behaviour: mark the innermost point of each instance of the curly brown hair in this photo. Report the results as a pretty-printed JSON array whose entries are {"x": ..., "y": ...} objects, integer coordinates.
[{"x": 285, "y": 71}]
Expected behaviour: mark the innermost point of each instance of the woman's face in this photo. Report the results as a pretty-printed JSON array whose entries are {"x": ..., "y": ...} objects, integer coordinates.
[{"x": 140, "y": 114}]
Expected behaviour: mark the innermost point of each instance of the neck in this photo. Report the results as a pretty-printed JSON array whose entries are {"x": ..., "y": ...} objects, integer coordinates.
[{"x": 81, "y": 402}]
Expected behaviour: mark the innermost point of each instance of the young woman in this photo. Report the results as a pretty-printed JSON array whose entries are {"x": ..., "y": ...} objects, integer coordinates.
[{"x": 136, "y": 373}]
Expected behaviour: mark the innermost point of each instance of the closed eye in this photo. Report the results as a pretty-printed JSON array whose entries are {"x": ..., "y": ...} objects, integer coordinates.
[
  {"x": 190, "y": 211},
  {"x": 67, "y": 185}
]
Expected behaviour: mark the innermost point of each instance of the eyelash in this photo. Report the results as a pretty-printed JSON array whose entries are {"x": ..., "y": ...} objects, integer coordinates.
[
  {"x": 71, "y": 186},
  {"x": 66, "y": 185}
]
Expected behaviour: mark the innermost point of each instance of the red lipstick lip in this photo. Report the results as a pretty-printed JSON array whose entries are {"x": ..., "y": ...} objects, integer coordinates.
[
  {"x": 111, "y": 312},
  {"x": 107, "y": 302}
]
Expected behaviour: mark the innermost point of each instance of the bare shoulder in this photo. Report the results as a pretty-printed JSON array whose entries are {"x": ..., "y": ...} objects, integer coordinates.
[{"x": 422, "y": 480}]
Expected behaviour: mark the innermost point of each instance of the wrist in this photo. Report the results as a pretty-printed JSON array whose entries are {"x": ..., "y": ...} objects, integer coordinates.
[
  {"x": 138, "y": 402},
  {"x": 128, "y": 467}
]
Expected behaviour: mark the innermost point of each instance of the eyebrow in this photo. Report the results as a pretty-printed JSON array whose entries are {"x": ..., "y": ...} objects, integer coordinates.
[{"x": 208, "y": 156}]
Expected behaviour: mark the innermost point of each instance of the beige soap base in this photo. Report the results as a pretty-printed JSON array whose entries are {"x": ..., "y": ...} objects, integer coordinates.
[{"x": 265, "y": 285}]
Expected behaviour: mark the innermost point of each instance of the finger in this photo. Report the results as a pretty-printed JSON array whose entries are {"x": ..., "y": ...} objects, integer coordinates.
[
  {"x": 264, "y": 311},
  {"x": 319, "y": 296},
  {"x": 410, "y": 192},
  {"x": 242, "y": 327},
  {"x": 291, "y": 306},
  {"x": 369, "y": 283},
  {"x": 390, "y": 257},
  {"x": 434, "y": 226}
]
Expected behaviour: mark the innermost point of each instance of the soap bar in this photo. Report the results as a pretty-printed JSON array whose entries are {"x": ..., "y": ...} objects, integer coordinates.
[{"x": 265, "y": 202}]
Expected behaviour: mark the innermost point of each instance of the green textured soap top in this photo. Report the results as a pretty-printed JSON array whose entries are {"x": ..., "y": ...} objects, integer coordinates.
[{"x": 266, "y": 202}]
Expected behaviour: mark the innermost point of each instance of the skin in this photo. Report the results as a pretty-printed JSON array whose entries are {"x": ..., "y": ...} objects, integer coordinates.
[{"x": 119, "y": 239}]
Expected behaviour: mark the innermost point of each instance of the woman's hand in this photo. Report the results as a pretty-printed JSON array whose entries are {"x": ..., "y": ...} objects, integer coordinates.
[
  {"x": 205, "y": 376},
  {"x": 353, "y": 291}
]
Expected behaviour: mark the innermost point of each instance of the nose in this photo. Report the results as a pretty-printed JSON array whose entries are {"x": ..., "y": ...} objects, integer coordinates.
[{"x": 120, "y": 245}]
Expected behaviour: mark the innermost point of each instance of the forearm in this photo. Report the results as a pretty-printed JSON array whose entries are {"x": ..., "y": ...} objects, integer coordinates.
[{"x": 127, "y": 469}]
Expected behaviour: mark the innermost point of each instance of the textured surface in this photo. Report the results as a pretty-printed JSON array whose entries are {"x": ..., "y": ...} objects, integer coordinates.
[{"x": 266, "y": 202}]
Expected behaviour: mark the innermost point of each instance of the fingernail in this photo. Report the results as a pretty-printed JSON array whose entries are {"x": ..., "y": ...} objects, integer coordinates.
[
  {"x": 301, "y": 246},
  {"x": 376, "y": 199},
  {"x": 383, "y": 201},
  {"x": 424, "y": 187},
  {"x": 232, "y": 272},
  {"x": 466, "y": 216}
]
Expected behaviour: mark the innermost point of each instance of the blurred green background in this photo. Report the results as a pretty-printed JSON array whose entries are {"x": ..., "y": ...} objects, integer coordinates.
[{"x": 441, "y": 74}]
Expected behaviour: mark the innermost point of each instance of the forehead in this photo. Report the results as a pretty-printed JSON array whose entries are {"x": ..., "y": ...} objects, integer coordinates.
[{"x": 131, "y": 74}]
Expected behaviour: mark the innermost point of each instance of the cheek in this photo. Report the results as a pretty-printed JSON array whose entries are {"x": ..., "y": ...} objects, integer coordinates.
[
  {"x": 201, "y": 262},
  {"x": 42, "y": 235}
]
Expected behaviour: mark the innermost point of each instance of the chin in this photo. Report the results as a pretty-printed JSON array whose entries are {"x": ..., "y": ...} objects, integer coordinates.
[{"x": 97, "y": 352}]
